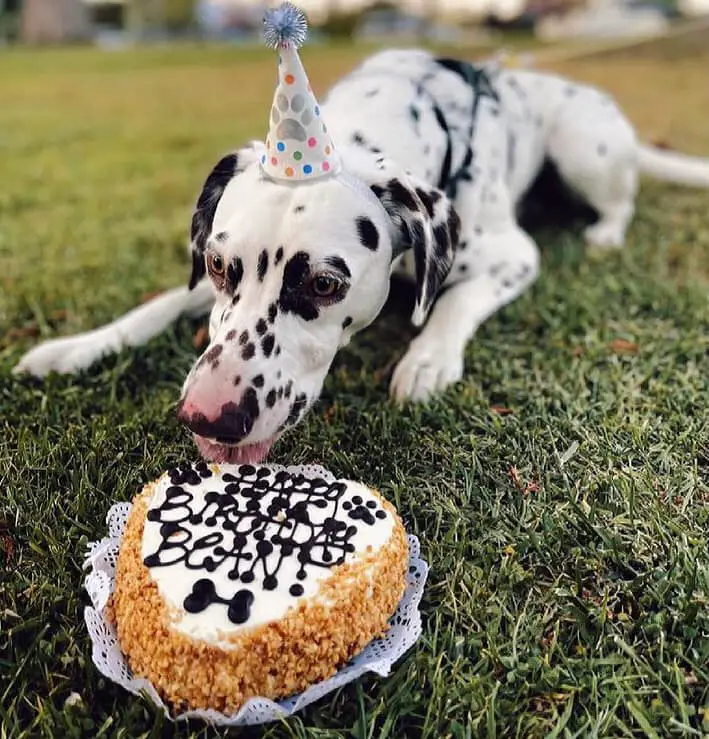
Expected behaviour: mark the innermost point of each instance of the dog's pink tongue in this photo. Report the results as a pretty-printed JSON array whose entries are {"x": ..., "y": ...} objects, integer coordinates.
[{"x": 246, "y": 454}]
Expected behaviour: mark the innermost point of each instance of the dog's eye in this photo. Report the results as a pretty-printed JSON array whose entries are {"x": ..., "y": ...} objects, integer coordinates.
[
  {"x": 215, "y": 264},
  {"x": 325, "y": 286}
]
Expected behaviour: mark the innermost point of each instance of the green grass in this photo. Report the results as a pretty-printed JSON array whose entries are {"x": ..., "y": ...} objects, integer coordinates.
[{"x": 560, "y": 492}]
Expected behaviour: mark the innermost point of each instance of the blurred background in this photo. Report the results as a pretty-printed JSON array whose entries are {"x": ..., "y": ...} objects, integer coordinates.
[{"x": 450, "y": 22}]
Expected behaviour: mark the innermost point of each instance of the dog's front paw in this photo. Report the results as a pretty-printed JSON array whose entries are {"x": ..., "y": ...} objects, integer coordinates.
[
  {"x": 65, "y": 356},
  {"x": 604, "y": 235},
  {"x": 424, "y": 370}
]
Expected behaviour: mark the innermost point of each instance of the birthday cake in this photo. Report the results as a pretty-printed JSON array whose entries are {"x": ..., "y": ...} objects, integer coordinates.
[{"x": 235, "y": 581}]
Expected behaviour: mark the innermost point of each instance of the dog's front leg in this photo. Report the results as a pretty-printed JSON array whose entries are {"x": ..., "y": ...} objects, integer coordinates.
[
  {"x": 507, "y": 263},
  {"x": 75, "y": 353}
]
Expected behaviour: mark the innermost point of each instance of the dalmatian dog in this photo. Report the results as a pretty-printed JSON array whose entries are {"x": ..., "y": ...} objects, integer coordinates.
[{"x": 438, "y": 156}]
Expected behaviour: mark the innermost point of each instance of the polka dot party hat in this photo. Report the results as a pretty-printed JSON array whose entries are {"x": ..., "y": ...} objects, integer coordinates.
[{"x": 298, "y": 147}]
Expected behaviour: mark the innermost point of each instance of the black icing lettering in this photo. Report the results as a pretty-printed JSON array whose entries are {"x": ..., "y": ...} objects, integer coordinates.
[{"x": 261, "y": 519}]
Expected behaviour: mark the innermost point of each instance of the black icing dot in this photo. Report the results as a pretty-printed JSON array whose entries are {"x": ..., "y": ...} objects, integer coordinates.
[
  {"x": 209, "y": 564},
  {"x": 371, "y": 504},
  {"x": 357, "y": 499},
  {"x": 247, "y": 577},
  {"x": 296, "y": 590},
  {"x": 270, "y": 582},
  {"x": 264, "y": 548},
  {"x": 380, "y": 514}
]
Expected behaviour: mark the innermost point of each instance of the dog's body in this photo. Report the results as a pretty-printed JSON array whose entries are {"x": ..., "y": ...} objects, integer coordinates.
[{"x": 479, "y": 136}]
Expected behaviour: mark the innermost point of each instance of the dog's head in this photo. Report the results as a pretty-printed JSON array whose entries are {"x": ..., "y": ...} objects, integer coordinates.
[{"x": 296, "y": 271}]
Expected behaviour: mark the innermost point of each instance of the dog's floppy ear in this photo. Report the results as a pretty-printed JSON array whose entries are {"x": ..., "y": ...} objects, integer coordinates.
[
  {"x": 224, "y": 171},
  {"x": 423, "y": 220}
]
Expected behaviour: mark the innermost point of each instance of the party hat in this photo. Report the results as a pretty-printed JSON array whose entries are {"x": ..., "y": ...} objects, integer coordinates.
[{"x": 298, "y": 146}]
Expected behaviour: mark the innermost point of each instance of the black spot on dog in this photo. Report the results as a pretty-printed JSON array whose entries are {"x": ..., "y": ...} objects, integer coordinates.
[
  {"x": 602, "y": 150},
  {"x": 244, "y": 337},
  {"x": 248, "y": 351},
  {"x": 257, "y": 380},
  {"x": 289, "y": 388},
  {"x": 262, "y": 265},
  {"x": 280, "y": 391},
  {"x": 371, "y": 93},
  {"x": 427, "y": 201},
  {"x": 279, "y": 255},
  {"x": 236, "y": 299},
  {"x": 261, "y": 327},
  {"x": 496, "y": 268},
  {"x": 367, "y": 232},
  {"x": 249, "y": 402},
  {"x": 231, "y": 335},
  {"x": 237, "y": 380},
  {"x": 221, "y": 236},
  {"x": 358, "y": 139},
  {"x": 462, "y": 245},
  {"x": 401, "y": 194},
  {"x": 296, "y": 409},
  {"x": 463, "y": 268},
  {"x": 347, "y": 322},
  {"x": 278, "y": 350},
  {"x": 271, "y": 398},
  {"x": 441, "y": 237},
  {"x": 297, "y": 209},
  {"x": 478, "y": 230},
  {"x": 293, "y": 297},
  {"x": 340, "y": 265},
  {"x": 570, "y": 91},
  {"x": 267, "y": 344},
  {"x": 213, "y": 354},
  {"x": 234, "y": 273},
  {"x": 272, "y": 312}
]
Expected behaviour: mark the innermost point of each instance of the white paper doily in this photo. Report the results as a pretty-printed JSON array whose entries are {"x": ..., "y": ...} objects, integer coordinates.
[{"x": 378, "y": 656}]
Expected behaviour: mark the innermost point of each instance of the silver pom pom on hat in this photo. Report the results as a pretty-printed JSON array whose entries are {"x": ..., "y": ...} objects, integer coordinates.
[{"x": 298, "y": 146}]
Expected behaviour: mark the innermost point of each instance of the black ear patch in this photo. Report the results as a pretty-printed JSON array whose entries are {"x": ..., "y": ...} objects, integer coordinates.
[
  {"x": 424, "y": 220},
  {"x": 203, "y": 217}
]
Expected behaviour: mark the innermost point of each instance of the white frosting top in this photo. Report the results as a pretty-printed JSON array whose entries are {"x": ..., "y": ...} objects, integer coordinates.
[{"x": 235, "y": 546}]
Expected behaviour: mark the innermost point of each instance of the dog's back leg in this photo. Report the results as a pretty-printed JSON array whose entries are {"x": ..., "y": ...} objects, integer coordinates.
[
  {"x": 595, "y": 150},
  {"x": 74, "y": 353}
]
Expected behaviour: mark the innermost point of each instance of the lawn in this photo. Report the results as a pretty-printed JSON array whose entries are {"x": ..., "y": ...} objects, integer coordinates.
[{"x": 560, "y": 492}]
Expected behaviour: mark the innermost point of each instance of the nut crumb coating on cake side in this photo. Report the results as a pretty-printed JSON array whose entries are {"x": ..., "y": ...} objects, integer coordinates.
[{"x": 272, "y": 660}]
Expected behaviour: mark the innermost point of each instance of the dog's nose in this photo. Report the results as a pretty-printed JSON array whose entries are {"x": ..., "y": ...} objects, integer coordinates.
[{"x": 231, "y": 425}]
